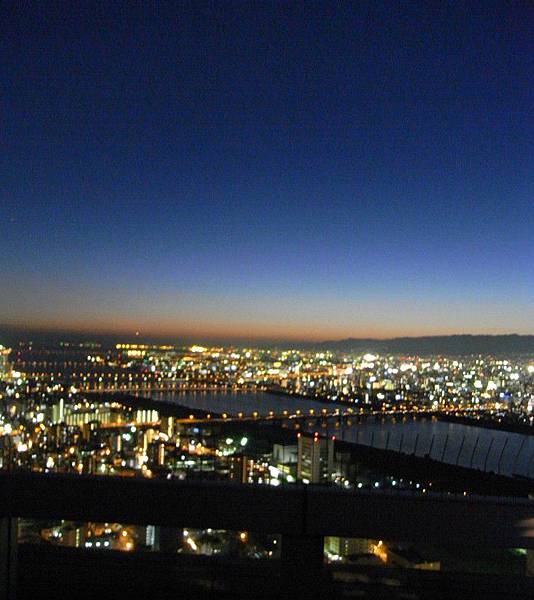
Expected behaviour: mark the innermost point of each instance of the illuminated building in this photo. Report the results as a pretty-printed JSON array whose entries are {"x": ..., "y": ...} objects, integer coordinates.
[
  {"x": 345, "y": 547},
  {"x": 4, "y": 364},
  {"x": 58, "y": 412},
  {"x": 83, "y": 414},
  {"x": 161, "y": 454},
  {"x": 315, "y": 459},
  {"x": 285, "y": 459},
  {"x": 146, "y": 416},
  {"x": 167, "y": 426}
]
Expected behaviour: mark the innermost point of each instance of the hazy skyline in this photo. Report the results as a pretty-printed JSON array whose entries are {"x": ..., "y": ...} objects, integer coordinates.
[{"x": 286, "y": 171}]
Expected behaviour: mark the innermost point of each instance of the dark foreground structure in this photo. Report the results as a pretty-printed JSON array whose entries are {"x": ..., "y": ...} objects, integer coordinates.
[{"x": 302, "y": 515}]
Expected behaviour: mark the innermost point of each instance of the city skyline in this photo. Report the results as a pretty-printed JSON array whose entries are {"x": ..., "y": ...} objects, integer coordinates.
[
  {"x": 267, "y": 300},
  {"x": 275, "y": 173}
]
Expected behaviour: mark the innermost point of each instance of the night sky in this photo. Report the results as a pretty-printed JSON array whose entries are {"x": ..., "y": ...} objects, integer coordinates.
[{"x": 271, "y": 170}]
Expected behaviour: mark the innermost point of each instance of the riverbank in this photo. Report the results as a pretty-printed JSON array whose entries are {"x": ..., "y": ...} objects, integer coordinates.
[
  {"x": 443, "y": 477},
  {"x": 487, "y": 423}
]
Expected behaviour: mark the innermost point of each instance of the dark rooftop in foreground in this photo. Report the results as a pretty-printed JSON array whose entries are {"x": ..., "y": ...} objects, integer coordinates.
[{"x": 303, "y": 515}]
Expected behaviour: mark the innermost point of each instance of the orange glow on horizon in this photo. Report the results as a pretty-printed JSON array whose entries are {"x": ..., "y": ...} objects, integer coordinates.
[{"x": 220, "y": 330}]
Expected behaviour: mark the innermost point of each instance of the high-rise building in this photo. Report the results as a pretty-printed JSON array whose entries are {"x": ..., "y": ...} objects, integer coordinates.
[
  {"x": 315, "y": 459},
  {"x": 167, "y": 426},
  {"x": 58, "y": 412},
  {"x": 4, "y": 364}
]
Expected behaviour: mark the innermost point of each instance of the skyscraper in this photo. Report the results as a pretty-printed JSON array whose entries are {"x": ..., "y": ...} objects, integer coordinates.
[
  {"x": 315, "y": 459},
  {"x": 4, "y": 364}
]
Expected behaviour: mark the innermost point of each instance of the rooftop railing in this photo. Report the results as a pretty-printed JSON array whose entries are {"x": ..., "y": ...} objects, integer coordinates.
[{"x": 303, "y": 515}]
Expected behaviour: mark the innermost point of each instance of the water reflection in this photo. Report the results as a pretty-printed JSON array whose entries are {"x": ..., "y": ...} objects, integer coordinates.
[{"x": 479, "y": 448}]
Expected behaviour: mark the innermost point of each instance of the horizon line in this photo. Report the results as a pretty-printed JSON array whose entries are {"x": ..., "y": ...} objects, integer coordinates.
[{"x": 220, "y": 338}]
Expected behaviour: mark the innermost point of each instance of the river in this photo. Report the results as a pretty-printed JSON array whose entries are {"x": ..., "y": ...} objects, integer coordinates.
[{"x": 454, "y": 443}]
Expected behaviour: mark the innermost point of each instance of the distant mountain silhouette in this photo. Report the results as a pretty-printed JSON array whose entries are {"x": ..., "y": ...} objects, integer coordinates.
[
  {"x": 439, "y": 344},
  {"x": 452, "y": 345}
]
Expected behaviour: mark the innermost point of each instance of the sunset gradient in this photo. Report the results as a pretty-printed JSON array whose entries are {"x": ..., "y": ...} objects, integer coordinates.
[{"x": 282, "y": 171}]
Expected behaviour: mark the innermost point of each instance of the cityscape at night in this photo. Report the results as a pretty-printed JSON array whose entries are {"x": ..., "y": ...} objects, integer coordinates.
[
  {"x": 427, "y": 425},
  {"x": 267, "y": 300}
]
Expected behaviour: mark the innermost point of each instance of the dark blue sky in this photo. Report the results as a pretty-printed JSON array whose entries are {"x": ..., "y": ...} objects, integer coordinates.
[{"x": 286, "y": 170}]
